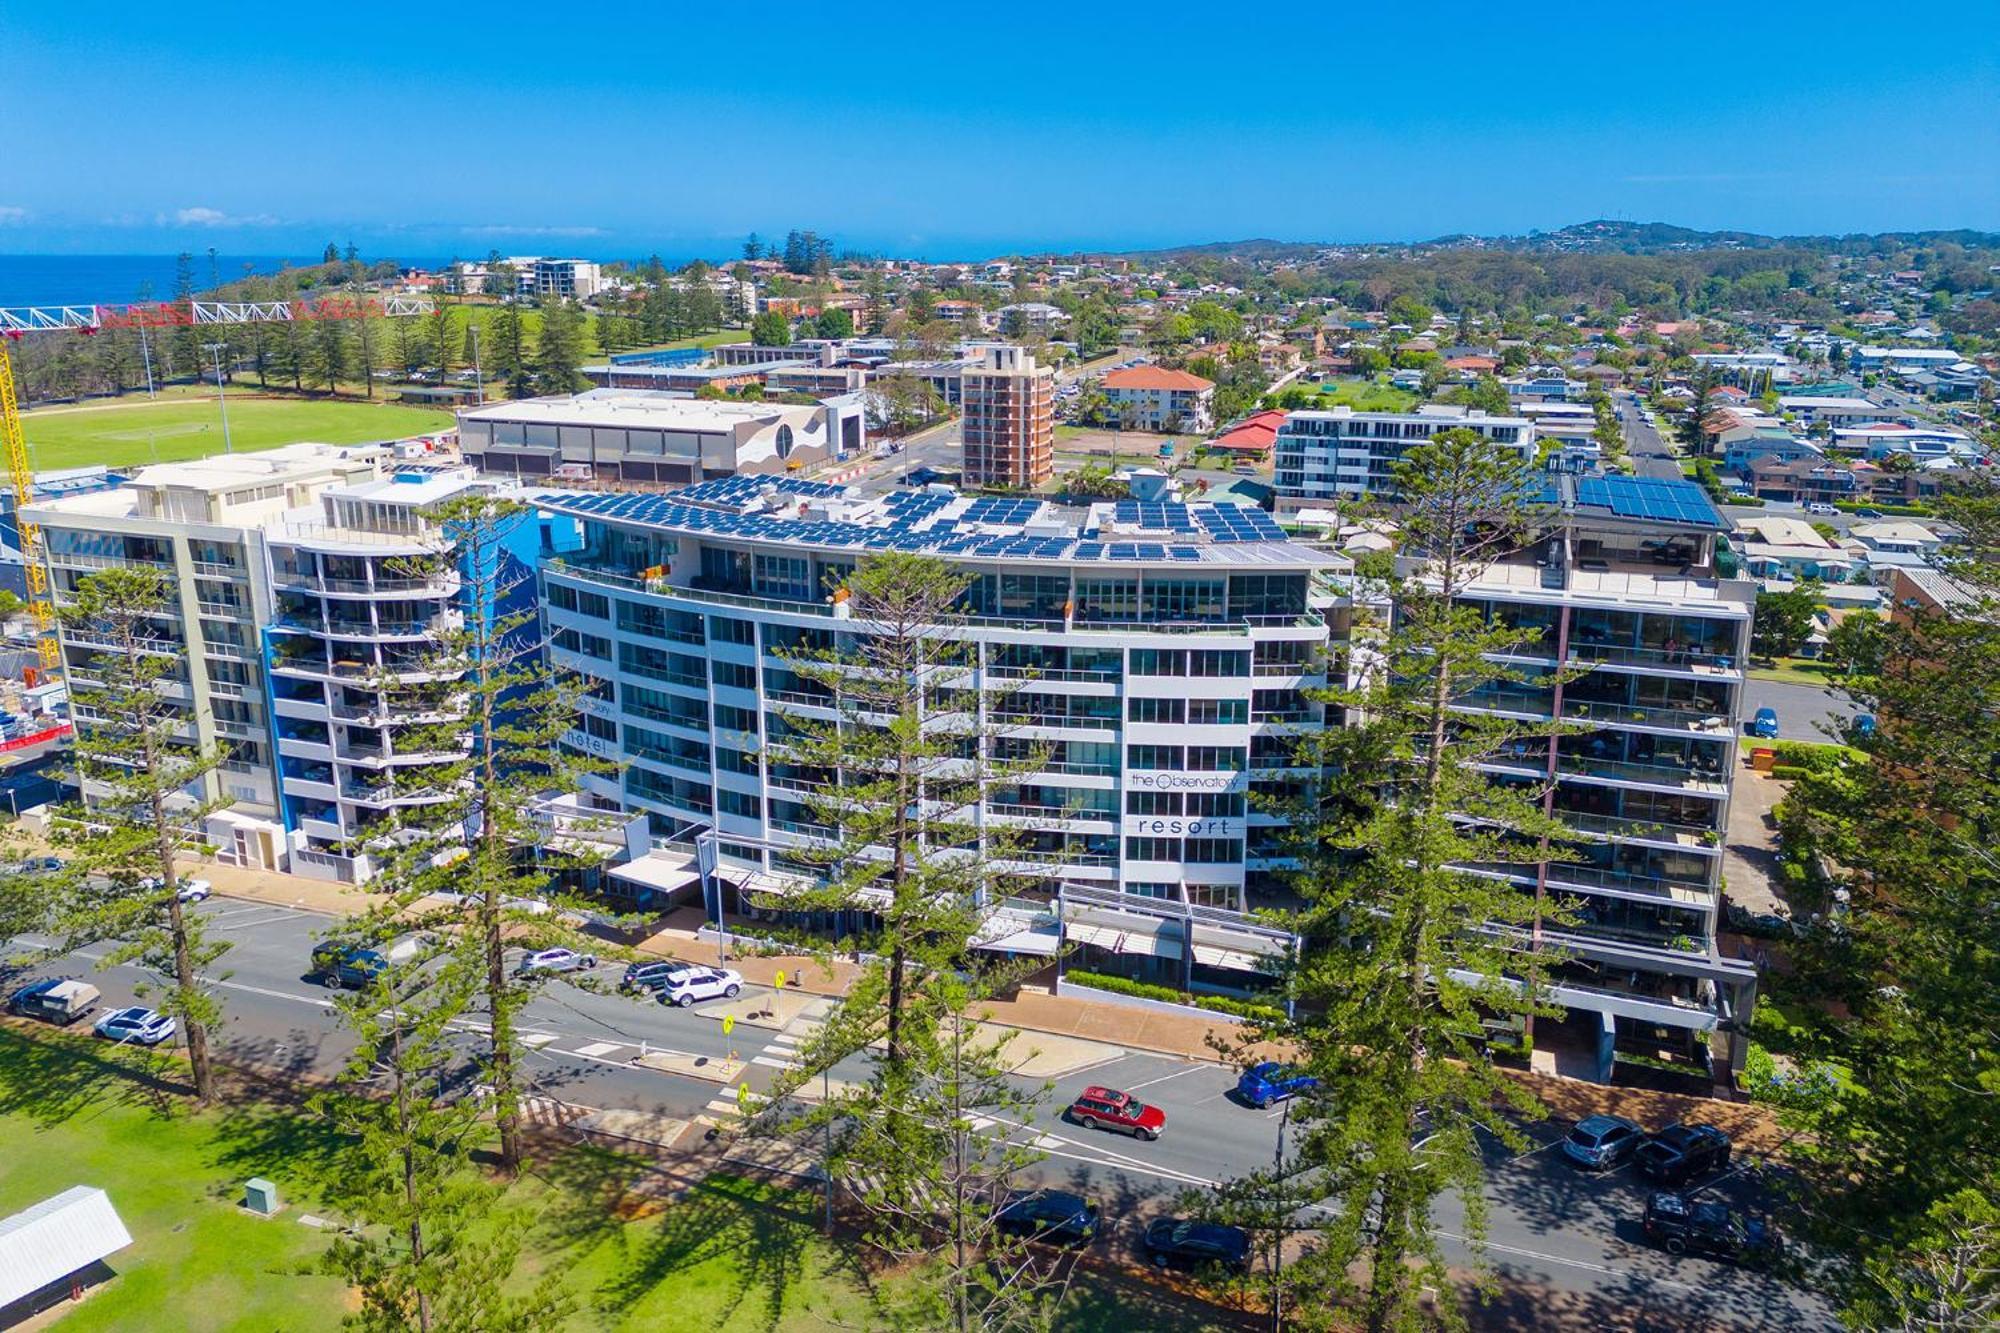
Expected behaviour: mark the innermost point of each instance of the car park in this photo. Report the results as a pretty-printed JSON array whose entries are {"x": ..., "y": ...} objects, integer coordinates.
[
  {"x": 558, "y": 960},
  {"x": 1764, "y": 724},
  {"x": 1056, "y": 1216},
  {"x": 1108, "y": 1108},
  {"x": 1681, "y": 1224},
  {"x": 1261, "y": 1085},
  {"x": 139, "y": 1026},
  {"x": 1190, "y": 1244},
  {"x": 1601, "y": 1142},
  {"x": 649, "y": 976},
  {"x": 58, "y": 1000},
  {"x": 1680, "y": 1153},
  {"x": 691, "y": 984}
]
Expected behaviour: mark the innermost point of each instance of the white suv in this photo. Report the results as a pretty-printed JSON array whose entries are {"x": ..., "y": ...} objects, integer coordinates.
[{"x": 689, "y": 984}]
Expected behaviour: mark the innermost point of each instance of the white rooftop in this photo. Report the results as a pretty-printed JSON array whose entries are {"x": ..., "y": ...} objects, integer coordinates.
[
  {"x": 56, "y": 1237},
  {"x": 635, "y": 407}
]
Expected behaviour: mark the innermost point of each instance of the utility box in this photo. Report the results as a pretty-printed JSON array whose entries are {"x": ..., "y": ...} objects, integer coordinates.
[
  {"x": 1763, "y": 759},
  {"x": 261, "y": 1197}
]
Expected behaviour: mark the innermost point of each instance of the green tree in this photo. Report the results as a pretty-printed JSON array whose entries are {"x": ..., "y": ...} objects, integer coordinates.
[
  {"x": 444, "y": 335},
  {"x": 1856, "y": 643},
  {"x": 435, "y": 1252},
  {"x": 771, "y": 329},
  {"x": 1694, "y": 433},
  {"x": 330, "y": 338},
  {"x": 1405, "y": 956},
  {"x": 146, "y": 791},
  {"x": 559, "y": 349},
  {"x": 1906, "y": 985},
  {"x": 512, "y": 351},
  {"x": 835, "y": 322},
  {"x": 499, "y": 714},
  {"x": 1785, "y": 620}
]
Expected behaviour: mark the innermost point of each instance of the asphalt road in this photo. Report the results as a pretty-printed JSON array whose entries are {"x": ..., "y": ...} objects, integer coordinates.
[
  {"x": 1549, "y": 1227},
  {"x": 1651, "y": 454}
]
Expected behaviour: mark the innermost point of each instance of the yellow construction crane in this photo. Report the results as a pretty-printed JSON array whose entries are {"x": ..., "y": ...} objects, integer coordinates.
[{"x": 18, "y": 321}]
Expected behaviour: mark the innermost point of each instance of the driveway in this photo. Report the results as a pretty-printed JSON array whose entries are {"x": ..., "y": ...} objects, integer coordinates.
[{"x": 1749, "y": 860}]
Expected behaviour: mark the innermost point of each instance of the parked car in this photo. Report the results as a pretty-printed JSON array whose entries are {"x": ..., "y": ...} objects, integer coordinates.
[
  {"x": 188, "y": 890},
  {"x": 1681, "y": 1225},
  {"x": 649, "y": 976},
  {"x": 1869, "y": 513},
  {"x": 38, "y": 865},
  {"x": 1603, "y": 1141},
  {"x": 1049, "y": 1215},
  {"x": 1820, "y": 507},
  {"x": 1680, "y": 1153},
  {"x": 558, "y": 960},
  {"x": 58, "y": 1000},
  {"x": 1271, "y": 1082},
  {"x": 1189, "y": 1244},
  {"x": 1863, "y": 727},
  {"x": 141, "y": 1027},
  {"x": 1109, "y": 1108},
  {"x": 1764, "y": 724},
  {"x": 350, "y": 965},
  {"x": 689, "y": 984}
]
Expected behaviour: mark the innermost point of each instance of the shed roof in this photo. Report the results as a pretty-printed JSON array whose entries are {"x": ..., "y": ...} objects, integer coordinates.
[{"x": 55, "y": 1238}]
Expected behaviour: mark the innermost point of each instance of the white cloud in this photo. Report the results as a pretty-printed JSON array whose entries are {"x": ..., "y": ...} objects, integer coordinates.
[
  {"x": 213, "y": 217},
  {"x": 10, "y": 214}
]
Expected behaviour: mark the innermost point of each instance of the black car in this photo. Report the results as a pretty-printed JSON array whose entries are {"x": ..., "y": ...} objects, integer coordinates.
[
  {"x": 1680, "y": 1153},
  {"x": 1680, "y": 1225},
  {"x": 649, "y": 976},
  {"x": 1050, "y": 1215},
  {"x": 1180, "y": 1242}
]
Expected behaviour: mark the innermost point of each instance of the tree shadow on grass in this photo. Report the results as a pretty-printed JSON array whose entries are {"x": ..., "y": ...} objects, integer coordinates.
[
  {"x": 55, "y": 1078},
  {"x": 765, "y": 1235},
  {"x": 278, "y": 1140}
]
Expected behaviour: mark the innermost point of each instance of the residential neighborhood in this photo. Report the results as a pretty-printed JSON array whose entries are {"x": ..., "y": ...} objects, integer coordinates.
[{"x": 889, "y": 755}]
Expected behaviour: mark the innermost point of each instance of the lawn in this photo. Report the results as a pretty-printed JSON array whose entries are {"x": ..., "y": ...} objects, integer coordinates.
[
  {"x": 136, "y": 431},
  {"x": 1797, "y": 671},
  {"x": 729, "y": 1254},
  {"x": 1363, "y": 395}
]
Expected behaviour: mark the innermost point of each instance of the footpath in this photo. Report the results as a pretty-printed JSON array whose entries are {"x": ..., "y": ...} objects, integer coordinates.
[{"x": 1034, "y": 1010}]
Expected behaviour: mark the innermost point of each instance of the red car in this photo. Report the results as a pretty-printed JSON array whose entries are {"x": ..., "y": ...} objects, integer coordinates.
[{"x": 1107, "y": 1108}]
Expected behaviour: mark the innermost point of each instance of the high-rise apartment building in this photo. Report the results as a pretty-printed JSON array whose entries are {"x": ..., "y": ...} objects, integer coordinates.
[{"x": 1008, "y": 424}]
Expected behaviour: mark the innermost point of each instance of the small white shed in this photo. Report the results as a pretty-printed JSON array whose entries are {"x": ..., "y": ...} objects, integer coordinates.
[{"x": 57, "y": 1239}]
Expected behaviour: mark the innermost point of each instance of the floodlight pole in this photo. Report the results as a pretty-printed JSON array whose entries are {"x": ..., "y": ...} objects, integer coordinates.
[{"x": 222, "y": 399}]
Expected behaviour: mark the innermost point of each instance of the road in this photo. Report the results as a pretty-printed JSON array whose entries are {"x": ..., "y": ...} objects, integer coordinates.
[
  {"x": 1651, "y": 455},
  {"x": 1805, "y": 712},
  {"x": 1550, "y": 1227}
]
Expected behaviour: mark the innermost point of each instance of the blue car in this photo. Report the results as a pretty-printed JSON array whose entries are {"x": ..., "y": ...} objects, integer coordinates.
[
  {"x": 1272, "y": 1082},
  {"x": 1765, "y": 724}
]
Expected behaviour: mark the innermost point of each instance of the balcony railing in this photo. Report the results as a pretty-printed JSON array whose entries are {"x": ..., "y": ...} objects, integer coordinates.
[
  {"x": 1621, "y": 826},
  {"x": 1681, "y": 659},
  {"x": 1707, "y": 721},
  {"x": 1661, "y": 775},
  {"x": 1087, "y": 723},
  {"x": 1595, "y": 877}
]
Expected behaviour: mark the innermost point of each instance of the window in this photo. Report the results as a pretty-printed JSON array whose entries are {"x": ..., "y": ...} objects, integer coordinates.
[
  {"x": 1215, "y": 805},
  {"x": 1159, "y": 661},
  {"x": 602, "y": 728},
  {"x": 735, "y": 719},
  {"x": 1156, "y": 710},
  {"x": 1152, "y": 803},
  {"x": 1153, "y": 890},
  {"x": 1152, "y": 849},
  {"x": 1213, "y": 851},
  {"x": 562, "y": 597},
  {"x": 1107, "y": 599},
  {"x": 1218, "y": 662},
  {"x": 785, "y": 576},
  {"x": 724, "y": 630},
  {"x": 594, "y": 605},
  {"x": 1183, "y": 599},
  {"x": 736, "y": 761},
  {"x": 1216, "y": 758},
  {"x": 736, "y": 803},
  {"x": 1214, "y": 712},
  {"x": 1156, "y": 756},
  {"x": 733, "y": 674}
]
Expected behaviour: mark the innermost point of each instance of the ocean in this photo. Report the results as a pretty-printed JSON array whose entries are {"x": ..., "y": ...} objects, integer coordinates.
[{"x": 111, "y": 279}]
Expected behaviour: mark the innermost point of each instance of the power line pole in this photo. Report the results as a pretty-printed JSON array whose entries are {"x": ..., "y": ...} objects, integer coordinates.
[{"x": 215, "y": 349}]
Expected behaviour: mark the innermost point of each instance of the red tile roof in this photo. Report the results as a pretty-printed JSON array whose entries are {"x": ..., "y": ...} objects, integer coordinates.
[
  {"x": 1157, "y": 377},
  {"x": 1255, "y": 434}
]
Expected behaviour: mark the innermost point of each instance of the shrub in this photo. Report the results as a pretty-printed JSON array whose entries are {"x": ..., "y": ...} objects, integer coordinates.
[
  {"x": 1790, "y": 772},
  {"x": 1145, "y": 990},
  {"x": 1816, "y": 756}
]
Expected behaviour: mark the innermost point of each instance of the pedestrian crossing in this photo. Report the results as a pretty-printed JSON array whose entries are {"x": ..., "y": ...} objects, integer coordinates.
[{"x": 781, "y": 1053}]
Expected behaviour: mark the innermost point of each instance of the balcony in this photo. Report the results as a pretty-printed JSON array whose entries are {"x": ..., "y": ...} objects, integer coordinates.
[
  {"x": 1691, "y": 893},
  {"x": 1706, "y": 778},
  {"x": 1642, "y": 829},
  {"x": 1700, "y": 721},
  {"x": 1692, "y": 661}
]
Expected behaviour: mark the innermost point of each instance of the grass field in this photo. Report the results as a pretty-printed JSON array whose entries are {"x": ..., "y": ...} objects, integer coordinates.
[
  {"x": 729, "y": 1256},
  {"x": 134, "y": 431},
  {"x": 1364, "y": 395}
]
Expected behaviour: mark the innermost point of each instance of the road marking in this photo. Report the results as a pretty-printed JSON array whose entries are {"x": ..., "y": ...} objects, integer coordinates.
[
  {"x": 536, "y": 1040},
  {"x": 784, "y": 1039},
  {"x": 723, "y": 1106},
  {"x": 597, "y": 1048},
  {"x": 770, "y": 1063},
  {"x": 319, "y": 1000},
  {"x": 1134, "y": 1087}
]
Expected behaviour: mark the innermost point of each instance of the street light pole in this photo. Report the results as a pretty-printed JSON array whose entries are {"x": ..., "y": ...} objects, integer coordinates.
[
  {"x": 215, "y": 349},
  {"x": 478, "y": 379}
]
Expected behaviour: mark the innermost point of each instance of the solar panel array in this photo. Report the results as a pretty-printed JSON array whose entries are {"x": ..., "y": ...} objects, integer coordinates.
[
  {"x": 1001, "y": 511},
  {"x": 1662, "y": 499},
  {"x": 900, "y": 532},
  {"x": 743, "y": 487},
  {"x": 1153, "y": 517}
]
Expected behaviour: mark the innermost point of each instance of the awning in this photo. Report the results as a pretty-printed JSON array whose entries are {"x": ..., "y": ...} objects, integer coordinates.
[
  {"x": 774, "y": 885},
  {"x": 1121, "y": 940},
  {"x": 1233, "y": 959},
  {"x": 1042, "y": 943},
  {"x": 661, "y": 871}
]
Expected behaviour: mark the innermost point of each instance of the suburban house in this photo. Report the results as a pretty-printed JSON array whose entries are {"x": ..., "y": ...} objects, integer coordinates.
[
  {"x": 1156, "y": 398},
  {"x": 1253, "y": 437},
  {"x": 1804, "y": 479},
  {"x": 1745, "y": 445},
  {"x": 1774, "y": 546},
  {"x": 1831, "y": 411}
]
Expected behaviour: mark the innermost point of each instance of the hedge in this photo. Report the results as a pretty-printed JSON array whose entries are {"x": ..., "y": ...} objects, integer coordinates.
[
  {"x": 1899, "y": 511},
  {"x": 1145, "y": 990},
  {"x": 1818, "y": 756}
]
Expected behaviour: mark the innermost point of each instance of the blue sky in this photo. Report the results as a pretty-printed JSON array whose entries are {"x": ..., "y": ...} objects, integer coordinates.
[{"x": 959, "y": 130}]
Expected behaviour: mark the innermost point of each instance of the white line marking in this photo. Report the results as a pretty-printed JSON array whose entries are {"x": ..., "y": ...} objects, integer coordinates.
[
  {"x": 535, "y": 1040},
  {"x": 1164, "y": 1077},
  {"x": 770, "y": 1063},
  {"x": 597, "y": 1048}
]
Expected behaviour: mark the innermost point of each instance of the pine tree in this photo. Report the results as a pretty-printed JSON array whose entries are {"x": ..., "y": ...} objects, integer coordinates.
[
  {"x": 433, "y": 1251},
  {"x": 330, "y": 353},
  {"x": 444, "y": 336},
  {"x": 186, "y": 342},
  {"x": 146, "y": 793},
  {"x": 511, "y": 352},
  {"x": 1405, "y": 954},
  {"x": 559, "y": 349},
  {"x": 504, "y": 711}
]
